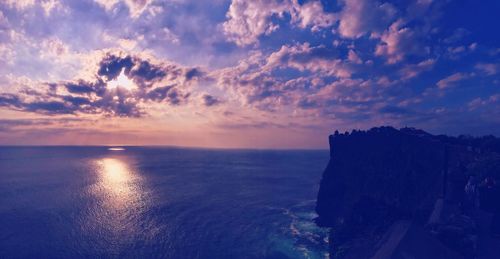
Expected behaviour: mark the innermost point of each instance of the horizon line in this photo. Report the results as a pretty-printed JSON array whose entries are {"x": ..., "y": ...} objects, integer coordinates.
[{"x": 169, "y": 146}]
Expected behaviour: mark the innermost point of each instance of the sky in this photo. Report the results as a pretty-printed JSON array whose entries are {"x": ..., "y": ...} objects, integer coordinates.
[{"x": 244, "y": 74}]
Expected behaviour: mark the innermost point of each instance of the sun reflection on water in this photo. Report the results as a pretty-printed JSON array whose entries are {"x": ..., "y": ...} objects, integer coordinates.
[
  {"x": 115, "y": 172},
  {"x": 117, "y": 183},
  {"x": 119, "y": 203}
]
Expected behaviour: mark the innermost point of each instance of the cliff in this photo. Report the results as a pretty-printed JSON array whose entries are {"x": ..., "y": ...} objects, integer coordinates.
[{"x": 386, "y": 191}]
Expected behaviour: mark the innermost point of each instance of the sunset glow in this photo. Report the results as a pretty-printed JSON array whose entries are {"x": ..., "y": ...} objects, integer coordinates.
[
  {"x": 249, "y": 129},
  {"x": 237, "y": 73}
]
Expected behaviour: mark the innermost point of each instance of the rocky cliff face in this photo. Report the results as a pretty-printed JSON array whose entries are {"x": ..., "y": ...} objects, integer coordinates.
[{"x": 384, "y": 187}]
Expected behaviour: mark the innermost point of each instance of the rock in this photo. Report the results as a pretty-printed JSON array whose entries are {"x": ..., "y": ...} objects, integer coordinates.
[{"x": 381, "y": 176}]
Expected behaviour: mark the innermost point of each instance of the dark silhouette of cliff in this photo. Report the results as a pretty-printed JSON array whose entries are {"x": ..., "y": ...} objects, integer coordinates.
[{"x": 389, "y": 193}]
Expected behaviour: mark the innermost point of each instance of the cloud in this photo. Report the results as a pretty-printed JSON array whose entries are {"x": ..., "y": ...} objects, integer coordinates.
[
  {"x": 248, "y": 20},
  {"x": 484, "y": 102},
  {"x": 51, "y": 105},
  {"x": 53, "y": 47},
  {"x": 413, "y": 70},
  {"x": 11, "y": 125},
  {"x": 111, "y": 66},
  {"x": 311, "y": 14},
  {"x": 359, "y": 17},
  {"x": 457, "y": 35},
  {"x": 451, "y": 80},
  {"x": 47, "y": 6},
  {"x": 488, "y": 68},
  {"x": 317, "y": 59},
  {"x": 458, "y": 51},
  {"x": 353, "y": 57},
  {"x": 160, "y": 82},
  {"x": 19, "y": 4},
  {"x": 317, "y": 81},
  {"x": 145, "y": 72},
  {"x": 82, "y": 87},
  {"x": 273, "y": 81},
  {"x": 397, "y": 42},
  {"x": 209, "y": 100},
  {"x": 342, "y": 95},
  {"x": 326, "y": 62},
  {"x": 11, "y": 100},
  {"x": 135, "y": 7},
  {"x": 193, "y": 73},
  {"x": 344, "y": 99},
  {"x": 265, "y": 125}
]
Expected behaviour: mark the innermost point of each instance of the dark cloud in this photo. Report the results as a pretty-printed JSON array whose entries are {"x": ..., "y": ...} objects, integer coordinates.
[
  {"x": 147, "y": 71},
  {"x": 77, "y": 101},
  {"x": 64, "y": 104},
  {"x": 80, "y": 87},
  {"x": 210, "y": 100},
  {"x": 111, "y": 66},
  {"x": 159, "y": 93},
  {"x": 10, "y": 100},
  {"x": 193, "y": 73},
  {"x": 121, "y": 107},
  {"x": 176, "y": 98},
  {"x": 142, "y": 71},
  {"x": 51, "y": 107},
  {"x": 166, "y": 93},
  {"x": 305, "y": 103},
  {"x": 96, "y": 97}
]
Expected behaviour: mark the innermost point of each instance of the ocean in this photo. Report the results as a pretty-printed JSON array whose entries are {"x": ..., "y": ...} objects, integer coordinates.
[{"x": 159, "y": 202}]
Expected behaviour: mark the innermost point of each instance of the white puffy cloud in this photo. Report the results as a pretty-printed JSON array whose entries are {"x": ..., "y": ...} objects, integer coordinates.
[
  {"x": 135, "y": 7},
  {"x": 19, "y": 4},
  {"x": 359, "y": 17},
  {"x": 248, "y": 20},
  {"x": 318, "y": 59},
  {"x": 312, "y": 14},
  {"x": 49, "y": 6},
  {"x": 396, "y": 42}
]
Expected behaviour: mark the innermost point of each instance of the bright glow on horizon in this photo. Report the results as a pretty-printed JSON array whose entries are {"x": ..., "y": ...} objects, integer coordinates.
[
  {"x": 116, "y": 149},
  {"x": 122, "y": 81}
]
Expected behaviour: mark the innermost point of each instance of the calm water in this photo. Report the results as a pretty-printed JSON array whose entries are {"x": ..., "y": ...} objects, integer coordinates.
[{"x": 148, "y": 202}]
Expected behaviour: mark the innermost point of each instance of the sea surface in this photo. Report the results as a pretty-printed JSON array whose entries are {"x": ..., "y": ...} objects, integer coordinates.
[{"x": 159, "y": 202}]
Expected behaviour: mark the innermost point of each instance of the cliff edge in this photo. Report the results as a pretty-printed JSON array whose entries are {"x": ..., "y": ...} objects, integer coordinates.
[{"x": 389, "y": 193}]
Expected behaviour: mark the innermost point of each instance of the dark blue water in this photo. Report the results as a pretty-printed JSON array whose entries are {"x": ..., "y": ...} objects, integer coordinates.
[{"x": 148, "y": 202}]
